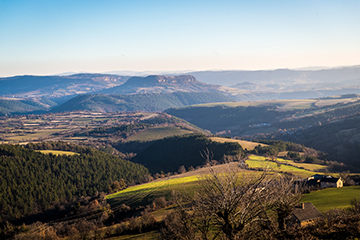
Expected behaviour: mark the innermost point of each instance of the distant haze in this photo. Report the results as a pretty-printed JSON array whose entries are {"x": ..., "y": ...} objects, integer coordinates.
[{"x": 158, "y": 36}]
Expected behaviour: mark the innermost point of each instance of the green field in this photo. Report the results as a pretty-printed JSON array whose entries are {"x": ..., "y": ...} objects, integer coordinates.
[
  {"x": 307, "y": 166},
  {"x": 157, "y": 133},
  {"x": 331, "y": 198},
  {"x": 56, "y": 152},
  {"x": 261, "y": 162}
]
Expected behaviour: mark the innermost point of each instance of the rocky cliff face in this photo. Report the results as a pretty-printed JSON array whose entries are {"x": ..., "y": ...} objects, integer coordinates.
[
  {"x": 162, "y": 84},
  {"x": 163, "y": 80}
]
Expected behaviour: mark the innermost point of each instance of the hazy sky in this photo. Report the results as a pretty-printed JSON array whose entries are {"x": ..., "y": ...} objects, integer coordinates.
[{"x": 49, "y": 37}]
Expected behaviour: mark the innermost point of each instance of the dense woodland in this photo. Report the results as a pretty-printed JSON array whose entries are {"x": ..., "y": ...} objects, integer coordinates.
[
  {"x": 31, "y": 181},
  {"x": 169, "y": 154}
]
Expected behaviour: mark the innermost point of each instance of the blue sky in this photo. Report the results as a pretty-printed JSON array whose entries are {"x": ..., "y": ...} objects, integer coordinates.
[{"x": 50, "y": 37}]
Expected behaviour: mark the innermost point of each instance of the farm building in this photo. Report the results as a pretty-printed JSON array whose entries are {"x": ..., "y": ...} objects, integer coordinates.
[
  {"x": 353, "y": 180},
  {"x": 323, "y": 181},
  {"x": 303, "y": 214},
  {"x": 331, "y": 182}
]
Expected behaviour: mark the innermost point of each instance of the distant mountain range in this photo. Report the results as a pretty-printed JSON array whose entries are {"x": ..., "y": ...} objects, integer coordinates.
[
  {"x": 280, "y": 76},
  {"x": 230, "y": 85},
  {"x": 57, "y": 86}
]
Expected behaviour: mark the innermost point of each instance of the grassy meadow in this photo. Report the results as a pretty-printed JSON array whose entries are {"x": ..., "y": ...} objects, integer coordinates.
[
  {"x": 298, "y": 170},
  {"x": 331, "y": 198}
]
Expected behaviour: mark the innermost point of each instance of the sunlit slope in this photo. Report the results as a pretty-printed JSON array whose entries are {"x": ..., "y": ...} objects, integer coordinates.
[
  {"x": 188, "y": 181},
  {"x": 244, "y": 144}
]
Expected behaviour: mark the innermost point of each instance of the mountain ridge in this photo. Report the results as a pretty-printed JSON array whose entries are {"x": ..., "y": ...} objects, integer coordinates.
[{"x": 162, "y": 84}]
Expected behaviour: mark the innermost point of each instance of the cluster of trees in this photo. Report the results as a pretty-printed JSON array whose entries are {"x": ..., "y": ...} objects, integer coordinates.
[
  {"x": 281, "y": 146},
  {"x": 276, "y": 146},
  {"x": 31, "y": 181},
  {"x": 124, "y": 129},
  {"x": 169, "y": 154}
]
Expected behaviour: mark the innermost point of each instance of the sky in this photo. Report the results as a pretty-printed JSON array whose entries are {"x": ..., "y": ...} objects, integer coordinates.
[{"x": 57, "y": 36}]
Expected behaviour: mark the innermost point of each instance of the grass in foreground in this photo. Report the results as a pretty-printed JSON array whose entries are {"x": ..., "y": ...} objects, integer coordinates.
[{"x": 331, "y": 198}]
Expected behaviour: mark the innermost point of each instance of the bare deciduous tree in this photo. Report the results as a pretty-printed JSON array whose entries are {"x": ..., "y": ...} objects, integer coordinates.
[{"x": 227, "y": 204}]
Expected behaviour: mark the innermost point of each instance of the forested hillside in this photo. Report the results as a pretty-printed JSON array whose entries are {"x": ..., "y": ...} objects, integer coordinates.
[
  {"x": 8, "y": 106},
  {"x": 139, "y": 102},
  {"x": 340, "y": 139},
  {"x": 31, "y": 181},
  {"x": 169, "y": 154},
  {"x": 267, "y": 117},
  {"x": 329, "y": 124}
]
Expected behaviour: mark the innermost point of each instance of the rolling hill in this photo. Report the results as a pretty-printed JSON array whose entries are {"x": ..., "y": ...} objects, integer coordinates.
[
  {"x": 139, "y": 102},
  {"x": 10, "y": 106}
]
